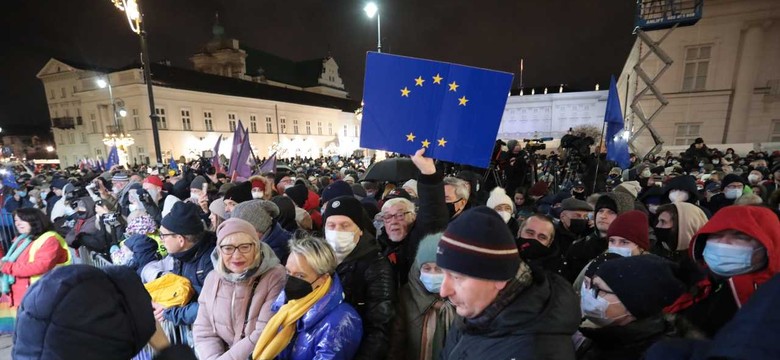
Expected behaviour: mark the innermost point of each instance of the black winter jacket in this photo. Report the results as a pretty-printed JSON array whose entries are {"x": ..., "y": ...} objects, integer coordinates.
[
  {"x": 628, "y": 342},
  {"x": 537, "y": 324},
  {"x": 582, "y": 252},
  {"x": 370, "y": 287}
]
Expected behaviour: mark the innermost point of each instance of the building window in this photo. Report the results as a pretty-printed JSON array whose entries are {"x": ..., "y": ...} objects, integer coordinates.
[
  {"x": 232, "y": 121},
  {"x": 283, "y": 128},
  {"x": 319, "y": 127},
  {"x": 308, "y": 127},
  {"x": 94, "y": 126},
  {"x": 185, "y": 120},
  {"x": 268, "y": 126},
  {"x": 345, "y": 130},
  {"x": 52, "y": 95},
  {"x": 207, "y": 120},
  {"x": 56, "y": 114},
  {"x": 98, "y": 152},
  {"x": 141, "y": 150},
  {"x": 686, "y": 133},
  {"x": 162, "y": 122},
  {"x": 136, "y": 119},
  {"x": 330, "y": 128},
  {"x": 253, "y": 123},
  {"x": 63, "y": 92},
  {"x": 71, "y": 138},
  {"x": 775, "y": 131},
  {"x": 295, "y": 126},
  {"x": 697, "y": 62},
  {"x": 74, "y": 89},
  {"x": 83, "y": 138},
  {"x": 62, "y": 139}
]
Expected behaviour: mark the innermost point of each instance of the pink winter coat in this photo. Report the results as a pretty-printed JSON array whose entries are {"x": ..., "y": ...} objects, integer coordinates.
[{"x": 222, "y": 311}]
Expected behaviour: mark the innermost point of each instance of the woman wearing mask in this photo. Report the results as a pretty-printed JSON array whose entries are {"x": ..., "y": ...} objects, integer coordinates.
[
  {"x": 424, "y": 318},
  {"x": 235, "y": 303},
  {"x": 504, "y": 206},
  {"x": 311, "y": 320},
  {"x": 34, "y": 252},
  {"x": 622, "y": 300},
  {"x": 677, "y": 223},
  {"x": 18, "y": 201}
]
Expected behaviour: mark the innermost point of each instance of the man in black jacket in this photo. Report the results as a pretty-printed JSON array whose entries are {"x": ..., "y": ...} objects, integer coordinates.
[
  {"x": 366, "y": 275},
  {"x": 404, "y": 227},
  {"x": 507, "y": 310}
]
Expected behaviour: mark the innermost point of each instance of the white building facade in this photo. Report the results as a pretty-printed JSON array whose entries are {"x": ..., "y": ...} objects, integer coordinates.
[{"x": 724, "y": 84}]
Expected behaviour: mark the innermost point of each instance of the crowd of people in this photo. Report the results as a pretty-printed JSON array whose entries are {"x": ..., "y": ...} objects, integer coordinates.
[{"x": 672, "y": 257}]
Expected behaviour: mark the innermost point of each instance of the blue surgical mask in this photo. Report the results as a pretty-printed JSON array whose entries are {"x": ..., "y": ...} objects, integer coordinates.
[
  {"x": 22, "y": 193},
  {"x": 624, "y": 252},
  {"x": 729, "y": 260},
  {"x": 432, "y": 282}
]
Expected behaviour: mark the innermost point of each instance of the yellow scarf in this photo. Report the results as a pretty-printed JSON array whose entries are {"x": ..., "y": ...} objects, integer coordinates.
[{"x": 281, "y": 327}]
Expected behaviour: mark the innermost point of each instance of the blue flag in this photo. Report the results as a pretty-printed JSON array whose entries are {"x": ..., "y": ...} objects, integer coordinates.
[
  {"x": 451, "y": 110},
  {"x": 172, "y": 165},
  {"x": 10, "y": 179},
  {"x": 113, "y": 158},
  {"x": 617, "y": 143}
]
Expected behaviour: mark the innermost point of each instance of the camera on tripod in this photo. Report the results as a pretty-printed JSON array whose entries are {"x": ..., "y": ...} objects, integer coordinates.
[
  {"x": 533, "y": 145},
  {"x": 577, "y": 146}
]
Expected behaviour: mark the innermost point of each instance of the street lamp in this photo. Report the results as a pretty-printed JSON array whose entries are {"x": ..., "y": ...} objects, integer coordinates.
[
  {"x": 132, "y": 9},
  {"x": 115, "y": 136},
  {"x": 371, "y": 9}
]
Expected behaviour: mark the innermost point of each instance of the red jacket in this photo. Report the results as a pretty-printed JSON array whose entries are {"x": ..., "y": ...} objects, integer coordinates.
[
  {"x": 312, "y": 206},
  {"x": 758, "y": 222},
  {"x": 46, "y": 258}
]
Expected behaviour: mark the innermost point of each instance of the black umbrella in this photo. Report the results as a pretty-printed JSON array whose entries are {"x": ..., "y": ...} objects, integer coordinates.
[{"x": 393, "y": 170}]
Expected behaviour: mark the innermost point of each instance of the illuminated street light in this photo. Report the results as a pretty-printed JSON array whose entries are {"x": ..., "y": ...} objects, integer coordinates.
[
  {"x": 50, "y": 148},
  {"x": 371, "y": 9}
]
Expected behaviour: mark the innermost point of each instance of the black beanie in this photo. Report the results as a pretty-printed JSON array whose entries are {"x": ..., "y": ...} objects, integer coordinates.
[
  {"x": 279, "y": 176},
  {"x": 336, "y": 189},
  {"x": 596, "y": 263},
  {"x": 78, "y": 307},
  {"x": 479, "y": 244},
  {"x": 347, "y": 206},
  {"x": 184, "y": 219},
  {"x": 731, "y": 178},
  {"x": 240, "y": 193},
  {"x": 645, "y": 284},
  {"x": 298, "y": 193}
]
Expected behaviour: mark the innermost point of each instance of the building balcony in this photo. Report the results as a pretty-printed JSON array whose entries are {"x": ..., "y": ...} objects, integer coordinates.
[{"x": 63, "y": 122}]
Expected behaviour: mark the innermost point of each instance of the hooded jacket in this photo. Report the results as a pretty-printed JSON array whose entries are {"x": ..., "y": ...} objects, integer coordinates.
[
  {"x": 717, "y": 299},
  {"x": 370, "y": 287},
  {"x": 685, "y": 183},
  {"x": 223, "y": 315},
  {"x": 331, "y": 329},
  {"x": 278, "y": 238},
  {"x": 537, "y": 323}
]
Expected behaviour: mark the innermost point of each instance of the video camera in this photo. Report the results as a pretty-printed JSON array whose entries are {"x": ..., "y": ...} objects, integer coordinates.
[
  {"x": 532, "y": 145},
  {"x": 577, "y": 145}
]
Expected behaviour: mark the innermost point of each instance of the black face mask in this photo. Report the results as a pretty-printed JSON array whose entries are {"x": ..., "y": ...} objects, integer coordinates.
[
  {"x": 665, "y": 236},
  {"x": 531, "y": 249},
  {"x": 451, "y": 207},
  {"x": 579, "y": 195},
  {"x": 296, "y": 288},
  {"x": 578, "y": 226}
]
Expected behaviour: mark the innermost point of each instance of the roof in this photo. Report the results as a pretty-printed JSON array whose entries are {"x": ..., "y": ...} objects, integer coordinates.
[
  {"x": 303, "y": 73},
  {"x": 179, "y": 78}
]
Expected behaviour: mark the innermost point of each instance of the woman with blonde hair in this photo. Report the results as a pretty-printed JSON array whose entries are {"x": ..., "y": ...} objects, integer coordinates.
[
  {"x": 312, "y": 320},
  {"x": 235, "y": 303}
]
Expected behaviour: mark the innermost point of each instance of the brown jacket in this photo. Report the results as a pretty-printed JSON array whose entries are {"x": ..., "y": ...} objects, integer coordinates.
[{"x": 223, "y": 310}]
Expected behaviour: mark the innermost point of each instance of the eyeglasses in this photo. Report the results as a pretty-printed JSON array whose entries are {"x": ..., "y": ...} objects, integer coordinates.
[
  {"x": 398, "y": 216},
  {"x": 230, "y": 249}
]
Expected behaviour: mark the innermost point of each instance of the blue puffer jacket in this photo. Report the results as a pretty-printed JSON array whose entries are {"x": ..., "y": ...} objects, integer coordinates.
[
  {"x": 194, "y": 264},
  {"x": 278, "y": 239},
  {"x": 144, "y": 251},
  {"x": 331, "y": 329}
]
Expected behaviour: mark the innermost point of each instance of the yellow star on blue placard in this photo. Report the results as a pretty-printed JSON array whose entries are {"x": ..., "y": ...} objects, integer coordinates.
[
  {"x": 410, "y": 137},
  {"x": 419, "y": 81},
  {"x": 437, "y": 79},
  {"x": 454, "y": 86},
  {"x": 442, "y": 142},
  {"x": 405, "y": 91},
  {"x": 426, "y": 143},
  {"x": 462, "y": 101}
]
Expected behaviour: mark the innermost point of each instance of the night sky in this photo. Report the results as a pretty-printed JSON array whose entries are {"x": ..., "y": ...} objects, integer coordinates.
[{"x": 578, "y": 43}]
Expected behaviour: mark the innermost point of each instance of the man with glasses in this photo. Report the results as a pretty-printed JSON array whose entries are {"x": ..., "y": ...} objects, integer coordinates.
[
  {"x": 404, "y": 227},
  {"x": 190, "y": 245}
]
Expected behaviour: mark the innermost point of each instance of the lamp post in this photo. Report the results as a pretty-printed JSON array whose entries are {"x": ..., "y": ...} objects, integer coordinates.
[
  {"x": 116, "y": 136},
  {"x": 132, "y": 8},
  {"x": 371, "y": 9}
]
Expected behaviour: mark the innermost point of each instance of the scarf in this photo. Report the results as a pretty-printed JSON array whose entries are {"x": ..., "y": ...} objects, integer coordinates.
[
  {"x": 20, "y": 244},
  {"x": 437, "y": 308},
  {"x": 281, "y": 327}
]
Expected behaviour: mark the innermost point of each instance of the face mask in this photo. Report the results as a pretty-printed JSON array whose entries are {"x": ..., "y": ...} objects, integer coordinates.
[
  {"x": 432, "y": 282},
  {"x": 296, "y": 288},
  {"x": 22, "y": 193},
  {"x": 624, "y": 252},
  {"x": 194, "y": 198},
  {"x": 732, "y": 193},
  {"x": 153, "y": 193},
  {"x": 257, "y": 194},
  {"x": 579, "y": 195},
  {"x": 451, "y": 208},
  {"x": 132, "y": 207},
  {"x": 729, "y": 260},
  {"x": 288, "y": 186},
  {"x": 678, "y": 196},
  {"x": 715, "y": 162},
  {"x": 665, "y": 237},
  {"x": 753, "y": 178},
  {"x": 701, "y": 164},
  {"x": 506, "y": 215},
  {"x": 646, "y": 173},
  {"x": 578, "y": 226},
  {"x": 342, "y": 242},
  {"x": 595, "y": 309},
  {"x": 652, "y": 208},
  {"x": 370, "y": 194},
  {"x": 69, "y": 211},
  {"x": 531, "y": 249}
]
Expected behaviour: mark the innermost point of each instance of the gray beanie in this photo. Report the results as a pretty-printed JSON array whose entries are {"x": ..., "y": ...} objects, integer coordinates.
[
  {"x": 259, "y": 213},
  {"x": 197, "y": 182}
]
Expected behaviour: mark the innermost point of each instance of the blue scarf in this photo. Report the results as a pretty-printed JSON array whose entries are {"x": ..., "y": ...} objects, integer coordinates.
[{"x": 20, "y": 244}]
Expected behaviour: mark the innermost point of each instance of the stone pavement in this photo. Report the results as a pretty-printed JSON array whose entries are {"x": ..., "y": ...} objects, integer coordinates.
[{"x": 5, "y": 346}]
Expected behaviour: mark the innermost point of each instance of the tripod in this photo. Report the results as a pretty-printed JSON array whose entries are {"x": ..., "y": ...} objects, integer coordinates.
[{"x": 492, "y": 172}]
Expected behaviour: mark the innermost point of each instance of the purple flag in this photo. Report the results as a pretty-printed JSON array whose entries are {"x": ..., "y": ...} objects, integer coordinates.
[
  {"x": 215, "y": 158},
  {"x": 269, "y": 166},
  {"x": 238, "y": 139},
  {"x": 243, "y": 168}
]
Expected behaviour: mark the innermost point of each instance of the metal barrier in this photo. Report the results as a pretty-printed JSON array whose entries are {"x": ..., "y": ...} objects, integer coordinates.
[{"x": 7, "y": 229}]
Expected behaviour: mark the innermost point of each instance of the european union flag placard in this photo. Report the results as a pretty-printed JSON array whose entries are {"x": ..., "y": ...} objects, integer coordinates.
[{"x": 451, "y": 110}]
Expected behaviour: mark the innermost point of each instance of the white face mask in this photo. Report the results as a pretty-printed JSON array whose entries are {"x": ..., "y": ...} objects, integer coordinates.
[
  {"x": 595, "y": 309},
  {"x": 652, "y": 208},
  {"x": 257, "y": 194},
  {"x": 506, "y": 215},
  {"x": 342, "y": 242},
  {"x": 646, "y": 173},
  {"x": 132, "y": 207},
  {"x": 754, "y": 178},
  {"x": 624, "y": 252},
  {"x": 715, "y": 162},
  {"x": 153, "y": 193},
  {"x": 288, "y": 186},
  {"x": 69, "y": 211},
  {"x": 732, "y": 193},
  {"x": 678, "y": 196},
  {"x": 194, "y": 197}
]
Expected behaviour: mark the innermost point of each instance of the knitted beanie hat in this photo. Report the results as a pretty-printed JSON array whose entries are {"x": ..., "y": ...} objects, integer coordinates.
[
  {"x": 259, "y": 213},
  {"x": 347, "y": 206},
  {"x": 633, "y": 226},
  {"x": 498, "y": 196},
  {"x": 184, "y": 219}
]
